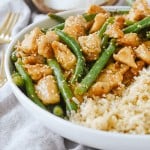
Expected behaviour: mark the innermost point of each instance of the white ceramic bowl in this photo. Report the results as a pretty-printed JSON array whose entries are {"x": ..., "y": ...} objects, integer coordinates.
[{"x": 74, "y": 132}]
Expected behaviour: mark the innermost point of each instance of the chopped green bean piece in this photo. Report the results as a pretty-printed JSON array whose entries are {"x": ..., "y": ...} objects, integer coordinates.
[
  {"x": 148, "y": 34},
  {"x": 138, "y": 25},
  {"x": 44, "y": 30},
  {"x": 89, "y": 17},
  {"x": 58, "y": 26},
  {"x": 17, "y": 79},
  {"x": 56, "y": 17},
  {"x": 105, "y": 43},
  {"x": 129, "y": 22},
  {"x": 119, "y": 12},
  {"x": 13, "y": 56},
  {"x": 58, "y": 111}
]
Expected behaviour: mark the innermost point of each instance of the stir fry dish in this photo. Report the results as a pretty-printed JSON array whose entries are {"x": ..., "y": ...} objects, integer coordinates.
[{"x": 91, "y": 69}]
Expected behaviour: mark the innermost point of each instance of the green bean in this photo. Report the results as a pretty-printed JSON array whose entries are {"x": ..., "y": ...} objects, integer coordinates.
[
  {"x": 90, "y": 78},
  {"x": 17, "y": 79},
  {"x": 119, "y": 12},
  {"x": 148, "y": 34},
  {"x": 58, "y": 111},
  {"x": 58, "y": 26},
  {"x": 138, "y": 25},
  {"x": 56, "y": 17},
  {"x": 44, "y": 30},
  {"x": 13, "y": 56},
  {"x": 29, "y": 87},
  {"x": 75, "y": 47},
  {"x": 104, "y": 43},
  {"x": 62, "y": 85},
  {"x": 89, "y": 17},
  {"x": 129, "y": 22},
  {"x": 104, "y": 27}
]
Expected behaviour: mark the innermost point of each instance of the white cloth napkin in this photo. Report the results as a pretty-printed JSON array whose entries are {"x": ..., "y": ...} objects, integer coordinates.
[{"x": 18, "y": 129}]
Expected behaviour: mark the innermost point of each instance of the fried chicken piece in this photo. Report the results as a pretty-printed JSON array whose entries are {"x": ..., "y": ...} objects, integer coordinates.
[
  {"x": 47, "y": 90},
  {"x": 126, "y": 56},
  {"x": 44, "y": 47},
  {"x": 110, "y": 78},
  {"x": 75, "y": 26},
  {"x": 139, "y": 10},
  {"x": 130, "y": 39},
  {"x": 33, "y": 59},
  {"x": 44, "y": 44},
  {"x": 94, "y": 9},
  {"x": 90, "y": 46},
  {"x": 114, "y": 31},
  {"x": 143, "y": 53},
  {"x": 38, "y": 71},
  {"x": 99, "y": 20},
  {"x": 128, "y": 76},
  {"x": 63, "y": 55},
  {"x": 29, "y": 44}
]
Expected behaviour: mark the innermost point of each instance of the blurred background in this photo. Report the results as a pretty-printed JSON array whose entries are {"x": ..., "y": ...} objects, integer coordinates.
[{"x": 45, "y": 6}]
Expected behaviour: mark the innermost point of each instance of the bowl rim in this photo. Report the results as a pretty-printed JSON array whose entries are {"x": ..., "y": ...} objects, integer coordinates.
[{"x": 16, "y": 90}]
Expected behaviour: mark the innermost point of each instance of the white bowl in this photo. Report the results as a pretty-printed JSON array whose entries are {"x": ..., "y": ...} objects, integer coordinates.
[{"x": 74, "y": 132}]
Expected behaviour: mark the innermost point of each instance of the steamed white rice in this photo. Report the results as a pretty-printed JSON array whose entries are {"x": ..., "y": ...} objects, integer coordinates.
[{"x": 129, "y": 113}]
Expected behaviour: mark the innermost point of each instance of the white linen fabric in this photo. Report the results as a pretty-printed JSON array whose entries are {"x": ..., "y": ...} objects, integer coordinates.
[{"x": 18, "y": 129}]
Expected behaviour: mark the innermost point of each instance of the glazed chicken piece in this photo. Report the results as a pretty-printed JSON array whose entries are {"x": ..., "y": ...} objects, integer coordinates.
[
  {"x": 20, "y": 54},
  {"x": 75, "y": 26},
  {"x": 143, "y": 53},
  {"x": 126, "y": 56},
  {"x": 128, "y": 76},
  {"x": 119, "y": 20},
  {"x": 100, "y": 88},
  {"x": 99, "y": 20},
  {"x": 68, "y": 74},
  {"x": 52, "y": 36},
  {"x": 147, "y": 44},
  {"x": 38, "y": 71},
  {"x": 90, "y": 46},
  {"x": 94, "y": 9},
  {"x": 63, "y": 55},
  {"x": 130, "y": 39},
  {"x": 47, "y": 90},
  {"x": 44, "y": 44},
  {"x": 33, "y": 59},
  {"x": 139, "y": 10},
  {"x": 110, "y": 78},
  {"x": 44, "y": 47},
  {"x": 29, "y": 44},
  {"x": 140, "y": 65},
  {"x": 114, "y": 31}
]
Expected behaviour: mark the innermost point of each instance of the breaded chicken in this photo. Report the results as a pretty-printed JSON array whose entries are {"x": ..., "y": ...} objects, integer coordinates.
[
  {"x": 64, "y": 55},
  {"x": 90, "y": 46},
  {"x": 75, "y": 26},
  {"x": 29, "y": 44},
  {"x": 38, "y": 71},
  {"x": 47, "y": 90}
]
